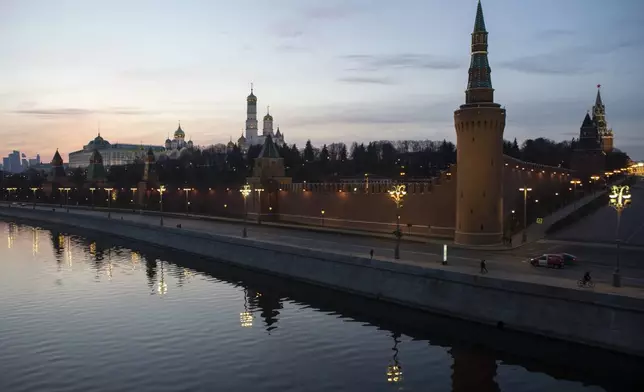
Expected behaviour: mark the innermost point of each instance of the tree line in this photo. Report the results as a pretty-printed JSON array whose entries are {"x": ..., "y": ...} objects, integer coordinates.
[{"x": 402, "y": 160}]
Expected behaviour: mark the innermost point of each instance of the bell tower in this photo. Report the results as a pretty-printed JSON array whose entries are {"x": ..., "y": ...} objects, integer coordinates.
[{"x": 479, "y": 127}]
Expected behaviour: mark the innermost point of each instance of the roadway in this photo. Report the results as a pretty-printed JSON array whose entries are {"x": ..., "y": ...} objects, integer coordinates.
[
  {"x": 600, "y": 227},
  {"x": 598, "y": 258}
]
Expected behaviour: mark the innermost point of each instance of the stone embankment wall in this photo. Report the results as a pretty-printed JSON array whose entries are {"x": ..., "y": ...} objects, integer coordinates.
[{"x": 602, "y": 320}]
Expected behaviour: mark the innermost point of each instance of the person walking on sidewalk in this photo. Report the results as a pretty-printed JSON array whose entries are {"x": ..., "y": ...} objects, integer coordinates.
[{"x": 483, "y": 267}]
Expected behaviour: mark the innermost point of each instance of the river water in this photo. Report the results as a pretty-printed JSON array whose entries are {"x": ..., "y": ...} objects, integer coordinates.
[{"x": 82, "y": 312}]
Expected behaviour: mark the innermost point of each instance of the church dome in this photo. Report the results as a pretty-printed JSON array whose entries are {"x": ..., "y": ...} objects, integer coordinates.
[
  {"x": 268, "y": 117},
  {"x": 99, "y": 142},
  {"x": 241, "y": 140},
  {"x": 179, "y": 133},
  {"x": 230, "y": 144},
  {"x": 251, "y": 98}
]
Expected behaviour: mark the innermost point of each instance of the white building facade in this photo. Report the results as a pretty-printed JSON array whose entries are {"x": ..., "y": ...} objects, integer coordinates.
[
  {"x": 113, "y": 154},
  {"x": 252, "y": 136}
]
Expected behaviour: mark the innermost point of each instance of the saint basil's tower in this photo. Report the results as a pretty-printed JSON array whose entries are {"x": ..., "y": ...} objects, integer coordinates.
[{"x": 479, "y": 127}]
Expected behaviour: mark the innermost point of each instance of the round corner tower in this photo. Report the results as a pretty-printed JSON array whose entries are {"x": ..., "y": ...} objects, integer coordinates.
[{"x": 479, "y": 127}]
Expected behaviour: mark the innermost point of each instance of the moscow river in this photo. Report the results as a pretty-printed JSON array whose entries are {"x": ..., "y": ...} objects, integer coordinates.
[{"x": 82, "y": 312}]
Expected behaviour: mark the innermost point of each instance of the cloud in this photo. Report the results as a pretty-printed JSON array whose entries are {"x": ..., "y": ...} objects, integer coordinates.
[
  {"x": 366, "y": 80},
  {"x": 330, "y": 12},
  {"x": 286, "y": 31},
  {"x": 569, "y": 60},
  {"x": 76, "y": 112},
  {"x": 369, "y": 62},
  {"x": 287, "y": 48}
]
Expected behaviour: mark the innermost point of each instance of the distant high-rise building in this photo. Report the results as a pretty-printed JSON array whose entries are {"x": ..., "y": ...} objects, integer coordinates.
[{"x": 12, "y": 163}]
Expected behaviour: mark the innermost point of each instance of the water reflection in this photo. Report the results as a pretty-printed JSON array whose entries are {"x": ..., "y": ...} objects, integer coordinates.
[
  {"x": 394, "y": 370},
  {"x": 475, "y": 352}
]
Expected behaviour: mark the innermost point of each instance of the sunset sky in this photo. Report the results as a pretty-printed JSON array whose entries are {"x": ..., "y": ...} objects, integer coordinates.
[{"x": 331, "y": 70}]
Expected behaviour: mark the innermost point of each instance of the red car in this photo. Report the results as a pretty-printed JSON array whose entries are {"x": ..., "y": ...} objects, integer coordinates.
[
  {"x": 550, "y": 261},
  {"x": 568, "y": 258}
]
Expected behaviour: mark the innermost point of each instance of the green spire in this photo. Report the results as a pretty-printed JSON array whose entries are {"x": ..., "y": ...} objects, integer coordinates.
[{"x": 479, "y": 24}]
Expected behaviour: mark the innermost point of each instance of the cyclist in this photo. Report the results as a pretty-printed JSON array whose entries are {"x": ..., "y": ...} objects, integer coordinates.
[{"x": 586, "y": 277}]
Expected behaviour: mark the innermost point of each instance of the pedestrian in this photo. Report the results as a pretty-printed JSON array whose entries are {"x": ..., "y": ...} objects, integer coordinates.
[
  {"x": 483, "y": 267},
  {"x": 371, "y": 253}
]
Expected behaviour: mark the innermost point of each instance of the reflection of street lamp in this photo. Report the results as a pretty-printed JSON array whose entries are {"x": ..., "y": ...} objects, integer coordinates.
[
  {"x": 163, "y": 286},
  {"x": 246, "y": 317},
  {"x": 574, "y": 192},
  {"x": 161, "y": 190},
  {"x": 394, "y": 370},
  {"x": 34, "y": 191},
  {"x": 187, "y": 190},
  {"x": 109, "y": 202},
  {"x": 525, "y": 191},
  {"x": 259, "y": 212},
  {"x": 397, "y": 193},
  {"x": 620, "y": 198},
  {"x": 92, "y": 190},
  {"x": 245, "y": 191},
  {"x": 66, "y": 197}
]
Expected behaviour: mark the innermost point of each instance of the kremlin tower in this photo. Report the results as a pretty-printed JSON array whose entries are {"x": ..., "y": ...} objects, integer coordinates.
[{"x": 479, "y": 133}]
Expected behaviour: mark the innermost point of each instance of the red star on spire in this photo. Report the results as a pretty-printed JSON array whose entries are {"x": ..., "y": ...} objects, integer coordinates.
[{"x": 599, "y": 85}]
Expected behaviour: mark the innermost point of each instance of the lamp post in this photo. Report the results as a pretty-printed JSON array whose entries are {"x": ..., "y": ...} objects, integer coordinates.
[
  {"x": 9, "y": 194},
  {"x": 92, "y": 191},
  {"x": 161, "y": 190},
  {"x": 245, "y": 191},
  {"x": 134, "y": 195},
  {"x": 397, "y": 193},
  {"x": 66, "y": 197},
  {"x": 187, "y": 190},
  {"x": 322, "y": 216},
  {"x": 620, "y": 198},
  {"x": 109, "y": 201},
  {"x": 594, "y": 180},
  {"x": 34, "y": 189},
  {"x": 259, "y": 196},
  {"x": 574, "y": 192},
  {"x": 525, "y": 190}
]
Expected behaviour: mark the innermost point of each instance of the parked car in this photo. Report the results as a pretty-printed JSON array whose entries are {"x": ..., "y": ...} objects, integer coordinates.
[
  {"x": 568, "y": 258},
  {"x": 550, "y": 261}
]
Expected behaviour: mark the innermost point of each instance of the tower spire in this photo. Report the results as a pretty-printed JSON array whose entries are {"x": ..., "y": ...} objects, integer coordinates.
[
  {"x": 251, "y": 87},
  {"x": 479, "y": 23},
  {"x": 479, "y": 85},
  {"x": 598, "y": 100}
]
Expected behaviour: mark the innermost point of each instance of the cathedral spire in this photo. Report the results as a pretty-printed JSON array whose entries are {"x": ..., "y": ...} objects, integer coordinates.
[{"x": 479, "y": 85}]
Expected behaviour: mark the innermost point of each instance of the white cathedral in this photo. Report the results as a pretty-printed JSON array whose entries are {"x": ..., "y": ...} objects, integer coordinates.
[{"x": 252, "y": 134}]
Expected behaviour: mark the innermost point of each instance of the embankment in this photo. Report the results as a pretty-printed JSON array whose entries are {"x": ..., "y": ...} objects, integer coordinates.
[{"x": 602, "y": 320}]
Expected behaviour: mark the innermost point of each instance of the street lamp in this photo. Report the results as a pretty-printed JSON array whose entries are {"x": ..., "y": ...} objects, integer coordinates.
[
  {"x": 187, "y": 190},
  {"x": 161, "y": 190},
  {"x": 620, "y": 198},
  {"x": 34, "y": 189},
  {"x": 109, "y": 201},
  {"x": 397, "y": 193},
  {"x": 259, "y": 212},
  {"x": 9, "y": 194},
  {"x": 66, "y": 197},
  {"x": 245, "y": 191},
  {"x": 133, "y": 195},
  {"x": 574, "y": 192},
  {"x": 92, "y": 190},
  {"x": 525, "y": 191},
  {"x": 322, "y": 216}
]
